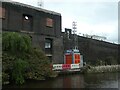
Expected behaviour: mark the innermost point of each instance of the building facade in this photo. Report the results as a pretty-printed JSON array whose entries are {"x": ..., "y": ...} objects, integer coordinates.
[{"x": 43, "y": 26}]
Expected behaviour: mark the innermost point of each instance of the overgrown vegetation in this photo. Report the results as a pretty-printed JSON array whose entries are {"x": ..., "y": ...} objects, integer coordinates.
[
  {"x": 100, "y": 69},
  {"x": 103, "y": 69},
  {"x": 20, "y": 61}
]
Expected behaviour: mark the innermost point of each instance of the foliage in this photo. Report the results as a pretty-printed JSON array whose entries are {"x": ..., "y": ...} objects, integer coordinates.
[
  {"x": 14, "y": 48},
  {"x": 21, "y": 61},
  {"x": 103, "y": 69},
  {"x": 99, "y": 62},
  {"x": 5, "y": 78},
  {"x": 40, "y": 65},
  {"x": 85, "y": 68},
  {"x": 16, "y": 44},
  {"x": 19, "y": 67}
]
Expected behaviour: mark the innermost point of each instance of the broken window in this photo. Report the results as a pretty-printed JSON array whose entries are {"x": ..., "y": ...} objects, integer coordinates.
[{"x": 27, "y": 22}]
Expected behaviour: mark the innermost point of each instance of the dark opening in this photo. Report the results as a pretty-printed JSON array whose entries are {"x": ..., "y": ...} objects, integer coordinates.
[
  {"x": 27, "y": 22},
  {"x": 48, "y": 48}
]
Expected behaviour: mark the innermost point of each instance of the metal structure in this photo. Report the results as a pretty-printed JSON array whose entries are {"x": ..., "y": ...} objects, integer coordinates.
[
  {"x": 95, "y": 37},
  {"x": 98, "y": 37},
  {"x": 74, "y": 27},
  {"x": 40, "y": 3}
]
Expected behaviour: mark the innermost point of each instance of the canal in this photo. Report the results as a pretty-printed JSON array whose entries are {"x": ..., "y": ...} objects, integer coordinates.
[{"x": 103, "y": 80}]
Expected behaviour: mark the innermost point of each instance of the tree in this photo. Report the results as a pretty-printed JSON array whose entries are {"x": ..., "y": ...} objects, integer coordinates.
[{"x": 21, "y": 61}]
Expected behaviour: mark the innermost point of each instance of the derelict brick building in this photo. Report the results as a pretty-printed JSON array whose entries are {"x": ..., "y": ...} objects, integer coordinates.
[{"x": 43, "y": 26}]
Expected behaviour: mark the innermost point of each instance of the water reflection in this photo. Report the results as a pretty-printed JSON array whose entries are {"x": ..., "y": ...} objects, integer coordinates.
[
  {"x": 104, "y": 80},
  {"x": 69, "y": 81}
]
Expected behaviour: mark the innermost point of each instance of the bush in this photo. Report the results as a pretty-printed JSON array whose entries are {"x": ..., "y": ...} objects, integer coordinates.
[
  {"x": 39, "y": 65},
  {"x": 19, "y": 67},
  {"x": 21, "y": 61},
  {"x": 5, "y": 78}
]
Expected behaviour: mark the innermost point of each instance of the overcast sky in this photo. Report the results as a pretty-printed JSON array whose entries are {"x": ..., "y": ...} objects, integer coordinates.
[{"x": 93, "y": 17}]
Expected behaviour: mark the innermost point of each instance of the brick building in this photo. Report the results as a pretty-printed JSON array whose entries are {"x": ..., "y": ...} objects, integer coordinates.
[{"x": 43, "y": 26}]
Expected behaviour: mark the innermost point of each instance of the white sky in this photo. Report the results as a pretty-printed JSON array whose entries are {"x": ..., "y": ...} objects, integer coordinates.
[{"x": 93, "y": 17}]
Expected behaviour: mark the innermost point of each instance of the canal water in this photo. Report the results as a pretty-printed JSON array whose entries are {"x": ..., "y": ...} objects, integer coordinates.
[{"x": 104, "y": 80}]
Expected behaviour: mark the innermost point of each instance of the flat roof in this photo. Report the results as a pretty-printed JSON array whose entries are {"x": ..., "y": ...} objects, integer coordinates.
[{"x": 31, "y": 7}]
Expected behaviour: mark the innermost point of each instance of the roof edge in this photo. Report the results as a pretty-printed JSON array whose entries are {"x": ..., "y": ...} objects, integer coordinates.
[{"x": 32, "y": 7}]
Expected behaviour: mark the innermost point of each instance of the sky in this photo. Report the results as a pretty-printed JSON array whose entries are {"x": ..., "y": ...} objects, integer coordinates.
[{"x": 93, "y": 17}]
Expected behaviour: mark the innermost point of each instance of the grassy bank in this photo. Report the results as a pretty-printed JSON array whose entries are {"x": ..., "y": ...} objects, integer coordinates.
[{"x": 102, "y": 69}]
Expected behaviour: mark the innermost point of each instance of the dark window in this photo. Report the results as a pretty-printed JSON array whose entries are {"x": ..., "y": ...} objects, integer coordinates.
[
  {"x": 50, "y": 58},
  {"x": 27, "y": 22},
  {"x": 48, "y": 46},
  {"x": 48, "y": 43},
  {"x": 68, "y": 34}
]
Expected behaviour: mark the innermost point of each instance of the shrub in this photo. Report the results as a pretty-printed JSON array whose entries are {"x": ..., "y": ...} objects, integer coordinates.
[
  {"x": 19, "y": 68},
  {"x": 21, "y": 61}
]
